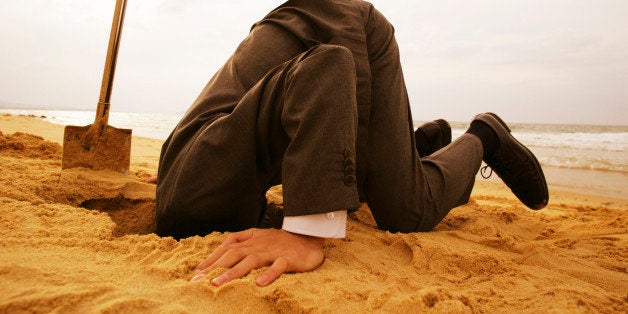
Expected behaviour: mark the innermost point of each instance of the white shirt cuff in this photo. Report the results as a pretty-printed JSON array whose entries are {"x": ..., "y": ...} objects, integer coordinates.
[{"x": 328, "y": 225}]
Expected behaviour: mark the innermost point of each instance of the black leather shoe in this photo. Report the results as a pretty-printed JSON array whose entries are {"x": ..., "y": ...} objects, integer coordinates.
[
  {"x": 432, "y": 136},
  {"x": 516, "y": 165}
]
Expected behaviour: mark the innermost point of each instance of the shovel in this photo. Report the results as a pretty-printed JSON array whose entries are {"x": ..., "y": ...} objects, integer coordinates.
[{"x": 100, "y": 146}]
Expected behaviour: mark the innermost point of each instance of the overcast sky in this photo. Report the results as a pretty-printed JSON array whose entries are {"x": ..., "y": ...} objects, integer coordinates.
[{"x": 540, "y": 61}]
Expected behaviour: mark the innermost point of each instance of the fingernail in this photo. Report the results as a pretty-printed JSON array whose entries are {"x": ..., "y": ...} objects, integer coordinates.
[
  {"x": 261, "y": 280},
  {"x": 218, "y": 281},
  {"x": 198, "y": 277}
]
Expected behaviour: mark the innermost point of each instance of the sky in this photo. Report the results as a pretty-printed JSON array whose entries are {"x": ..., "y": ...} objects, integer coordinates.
[{"x": 534, "y": 61}]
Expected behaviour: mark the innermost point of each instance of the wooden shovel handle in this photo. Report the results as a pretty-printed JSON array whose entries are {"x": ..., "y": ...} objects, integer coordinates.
[{"x": 102, "y": 111}]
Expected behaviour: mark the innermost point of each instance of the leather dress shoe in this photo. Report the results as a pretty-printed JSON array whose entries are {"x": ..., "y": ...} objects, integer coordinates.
[{"x": 516, "y": 165}]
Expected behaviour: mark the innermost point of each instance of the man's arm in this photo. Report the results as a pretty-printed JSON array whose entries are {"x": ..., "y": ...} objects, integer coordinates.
[
  {"x": 251, "y": 249},
  {"x": 298, "y": 247}
]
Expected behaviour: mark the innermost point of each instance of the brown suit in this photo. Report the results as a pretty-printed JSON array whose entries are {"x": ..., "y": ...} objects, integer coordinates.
[{"x": 314, "y": 99}]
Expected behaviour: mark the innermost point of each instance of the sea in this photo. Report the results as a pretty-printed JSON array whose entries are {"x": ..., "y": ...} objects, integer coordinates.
[{"x": 598, "y": 148}]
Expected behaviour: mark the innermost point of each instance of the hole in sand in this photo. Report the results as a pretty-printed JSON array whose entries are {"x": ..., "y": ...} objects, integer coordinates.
[{"x": 130, "y": 216}]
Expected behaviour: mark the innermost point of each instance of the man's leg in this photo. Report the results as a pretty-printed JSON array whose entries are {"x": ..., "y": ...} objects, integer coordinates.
[
  {"x": 407, "y": 193},
  {"x": 284, "y": 124},
  {"x": 404, "y": 192}
]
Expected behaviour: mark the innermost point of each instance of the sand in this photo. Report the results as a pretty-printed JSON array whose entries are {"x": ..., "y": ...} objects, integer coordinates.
[{"x": 81, "y": 241}]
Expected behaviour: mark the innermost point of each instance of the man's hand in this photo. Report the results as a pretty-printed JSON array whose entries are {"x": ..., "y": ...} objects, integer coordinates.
[{"x": 251, "y": 249}]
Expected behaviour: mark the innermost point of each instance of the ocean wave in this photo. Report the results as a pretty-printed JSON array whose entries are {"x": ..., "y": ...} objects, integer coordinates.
[
  {"x": 150, "y": 125},
  {"x": 566, "y": 146},
  {"x": 613, "y": 142},
  {"x": 584, "y": 164}
]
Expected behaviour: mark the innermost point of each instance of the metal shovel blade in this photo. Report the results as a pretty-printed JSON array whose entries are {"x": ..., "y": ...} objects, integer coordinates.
[
  {"x": 100, "y": 146},
  {"x": 109, "y": 149}
]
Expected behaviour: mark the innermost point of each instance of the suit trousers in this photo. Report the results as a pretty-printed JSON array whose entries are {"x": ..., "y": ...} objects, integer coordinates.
[{"x": 281, "y": 112}]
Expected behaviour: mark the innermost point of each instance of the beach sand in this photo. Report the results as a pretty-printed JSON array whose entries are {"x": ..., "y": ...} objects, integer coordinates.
[{"x": 81, "y": 241}]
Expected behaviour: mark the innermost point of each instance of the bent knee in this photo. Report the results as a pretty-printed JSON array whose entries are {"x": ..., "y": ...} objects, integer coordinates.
[
  {"x": 332, "y": 51},
  {"x": 329, "y": 57}
]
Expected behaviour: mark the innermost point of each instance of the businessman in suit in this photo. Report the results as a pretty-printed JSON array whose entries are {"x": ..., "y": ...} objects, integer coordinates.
[{"x": 314, "y": 99}]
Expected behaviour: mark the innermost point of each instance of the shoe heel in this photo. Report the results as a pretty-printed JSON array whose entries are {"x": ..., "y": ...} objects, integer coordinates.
[
  {"x": 500, "y": 121},
  {"x": 445, "y": 129}
]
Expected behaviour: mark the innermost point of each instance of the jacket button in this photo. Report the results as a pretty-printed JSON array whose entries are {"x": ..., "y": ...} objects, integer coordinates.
[
  {"x": 349, "y": 180},
  {"x": 348, "y": 162},
  {"x": 349, "y": 170},
  {"x": 347, "y": 153}
]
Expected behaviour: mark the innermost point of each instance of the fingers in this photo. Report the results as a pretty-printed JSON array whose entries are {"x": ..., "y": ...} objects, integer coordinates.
[
  {"x": 245, "y": 251},
  {"x": 224, "y": 247},
  {"x": 216, "y": 254},
  {"x": 241, "y": 269},
  {"x": 248, "y": 264},
  {"x": 273, "y": 272},
  {"x": 232, "y": 257},
  {"x": 239, "y": 236},
  {"x": 221, "y": 257}
]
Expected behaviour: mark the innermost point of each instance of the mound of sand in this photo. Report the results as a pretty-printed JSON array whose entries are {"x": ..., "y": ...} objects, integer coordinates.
[{"x": 81, "y": 241}]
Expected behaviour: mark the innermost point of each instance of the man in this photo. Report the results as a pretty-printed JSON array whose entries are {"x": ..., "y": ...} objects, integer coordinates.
[{"x": 314, "y": 99}]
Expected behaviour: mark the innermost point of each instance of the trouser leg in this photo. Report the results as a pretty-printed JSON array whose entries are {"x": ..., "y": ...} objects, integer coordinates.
[
  {"x": 284, "y": 130},
  {"x": 404, "y": 192}
]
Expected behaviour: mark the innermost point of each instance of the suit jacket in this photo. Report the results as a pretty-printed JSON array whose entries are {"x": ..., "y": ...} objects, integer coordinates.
[{"x": 298, "y": 26}]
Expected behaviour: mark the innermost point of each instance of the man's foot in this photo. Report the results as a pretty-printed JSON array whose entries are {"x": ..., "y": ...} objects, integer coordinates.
[
  {"x": 432, "y": 136},
  {"x": 515, "y": 164}
]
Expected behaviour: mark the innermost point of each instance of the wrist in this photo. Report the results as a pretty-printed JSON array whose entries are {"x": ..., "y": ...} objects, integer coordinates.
[{"x": 313, "y": 240}]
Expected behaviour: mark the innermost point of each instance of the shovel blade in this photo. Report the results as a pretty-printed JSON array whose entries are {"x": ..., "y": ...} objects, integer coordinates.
[{"x": 110, "y": 149}]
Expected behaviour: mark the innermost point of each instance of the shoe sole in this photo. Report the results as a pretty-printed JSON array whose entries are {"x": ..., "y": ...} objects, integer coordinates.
[{"x": 531, "y": 155}]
